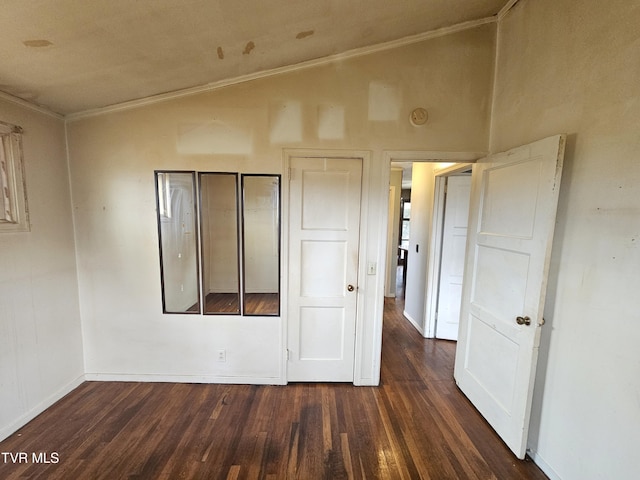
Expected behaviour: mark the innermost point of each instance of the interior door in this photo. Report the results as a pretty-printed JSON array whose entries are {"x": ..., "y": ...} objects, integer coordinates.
[
  {"x": 513, "y": 207},
  {"x": 324, "y": 224},
  {"x": 454, "y": 241}
]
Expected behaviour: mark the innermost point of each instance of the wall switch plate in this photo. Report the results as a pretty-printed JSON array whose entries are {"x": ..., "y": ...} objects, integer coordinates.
[{"x": 371, "y": 268}]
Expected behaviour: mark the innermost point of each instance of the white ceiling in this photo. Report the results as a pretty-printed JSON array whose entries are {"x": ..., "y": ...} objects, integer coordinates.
[{"x": 75, "y": 55}]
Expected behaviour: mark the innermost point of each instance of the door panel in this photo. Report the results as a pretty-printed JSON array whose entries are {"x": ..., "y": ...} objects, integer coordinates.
[
  {"x": 322, "y": 332},
  {"x": 454, "y": 240},
  {"x": 500, "y": 283},
  {"x": 488, "y": 366},
  {"x": 513, "y": 206},
  {"x": 324, "y": 223},
  {"x": 509, "y": 208},
  {"x": 320, "y": 277},
  {"x": 325, "y": 192}
]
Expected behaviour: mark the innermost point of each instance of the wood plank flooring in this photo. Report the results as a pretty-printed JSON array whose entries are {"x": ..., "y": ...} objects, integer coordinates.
[
  {"x": 416, "y": 425},
  {"x": 229, "y": 303}
]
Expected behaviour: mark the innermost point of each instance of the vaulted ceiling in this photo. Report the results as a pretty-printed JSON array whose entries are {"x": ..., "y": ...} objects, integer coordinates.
[{"x": 70, "y": 56}]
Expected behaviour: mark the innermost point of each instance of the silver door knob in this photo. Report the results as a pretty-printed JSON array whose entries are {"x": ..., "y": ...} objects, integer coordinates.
[
  {"x": 523, "y": 320},
  {"x": 351, "y": 288}
]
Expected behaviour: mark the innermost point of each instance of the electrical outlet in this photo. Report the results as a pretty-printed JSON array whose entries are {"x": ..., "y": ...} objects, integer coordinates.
[{"x": 222, "y": 355}]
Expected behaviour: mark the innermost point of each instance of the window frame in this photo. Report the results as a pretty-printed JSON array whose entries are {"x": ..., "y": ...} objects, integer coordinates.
[
  {"x": 242, "y": 227},
  {"x": 163, "y": 216},
  {"x": 15, "y": 217},
  {"x": 201, "y": 221}
]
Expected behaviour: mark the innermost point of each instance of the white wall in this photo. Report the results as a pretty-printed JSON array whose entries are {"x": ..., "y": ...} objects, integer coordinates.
[
  {"x": 357, "y": 104},
  {"x": 40, "y": 334},
  {"x": 421, "y": 209},
  {"x": 572, "y": 66}
]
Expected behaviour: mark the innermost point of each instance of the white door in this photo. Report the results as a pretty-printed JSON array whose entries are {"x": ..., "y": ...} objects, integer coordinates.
[
  {"x": 454, "y": 241},
  {"x": 513, "y": 208},
  {"x": 324, "y": 222}
]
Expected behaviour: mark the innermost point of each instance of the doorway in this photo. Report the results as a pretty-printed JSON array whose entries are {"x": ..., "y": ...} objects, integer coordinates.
[
  {"x": 512, "y": 213},
  {"x": 424, "y": 173},
  {"x": 446, "y": 258},
  {"x": 453, "y": 233}
]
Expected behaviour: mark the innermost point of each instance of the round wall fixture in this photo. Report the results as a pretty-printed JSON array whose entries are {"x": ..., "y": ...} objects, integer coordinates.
[{"x": 418, "y": 116}]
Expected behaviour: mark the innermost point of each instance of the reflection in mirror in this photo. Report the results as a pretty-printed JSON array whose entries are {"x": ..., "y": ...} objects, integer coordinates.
[
  {"x": 219, "y": 230},
  {"x": 175, "y": 196},
  {"x": 261, "y": 242}
]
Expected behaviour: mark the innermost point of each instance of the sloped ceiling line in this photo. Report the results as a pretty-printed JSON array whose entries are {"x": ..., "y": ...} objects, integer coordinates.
[{"x": 281, "y": 70}]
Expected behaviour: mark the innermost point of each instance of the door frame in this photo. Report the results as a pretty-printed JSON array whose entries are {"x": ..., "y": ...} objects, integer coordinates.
[
  {"x": 435, "y": 246},
  {"x": 458, "y": 158},
  {"x": 363, "y": 285}
]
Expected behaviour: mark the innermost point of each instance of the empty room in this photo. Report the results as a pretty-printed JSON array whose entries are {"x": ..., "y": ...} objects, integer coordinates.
[{"x": 203, "y": 271}]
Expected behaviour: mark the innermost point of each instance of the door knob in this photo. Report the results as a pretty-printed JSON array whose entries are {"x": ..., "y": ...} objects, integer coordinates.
[
  {"x": 523, "y": 321},
  {"x": 351, "y": 288}
]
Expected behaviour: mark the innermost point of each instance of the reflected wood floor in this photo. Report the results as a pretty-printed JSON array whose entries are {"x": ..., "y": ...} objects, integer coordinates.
[
  {"x": 417, "y": 424},
  {"x": 255, "y": 303}
]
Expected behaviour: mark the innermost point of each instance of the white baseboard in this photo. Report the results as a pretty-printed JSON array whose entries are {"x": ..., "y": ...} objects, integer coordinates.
[
  {"x": 413, "y": 322},
  {"x": 366, "y": 382},
  {"x": 21, "y": 421},
  {"x": 544, "y": 466},
  {"x": 238, "y": 380}
]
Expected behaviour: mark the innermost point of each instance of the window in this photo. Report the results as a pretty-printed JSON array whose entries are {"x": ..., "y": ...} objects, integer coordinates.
[
  {"x": 226, "y": 260},
  {"x": 261, "y": 244},
  {"x": 13, "y": 203},
  {"x": 406, "y": 219},
  {"x": 219, "y": 234},
  {"x": 176, "y": 196}
]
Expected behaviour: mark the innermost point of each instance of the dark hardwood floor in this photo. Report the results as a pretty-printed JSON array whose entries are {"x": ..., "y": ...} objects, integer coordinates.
[
  {"x": 261, "y": 303},
  {"x": 229, "y": 303},
  {"x": 222, "y": 303},
  {"x": 416, "y": 424}
]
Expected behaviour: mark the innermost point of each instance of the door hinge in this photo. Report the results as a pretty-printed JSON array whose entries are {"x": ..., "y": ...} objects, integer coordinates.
[{"x": 288, "y": 354}]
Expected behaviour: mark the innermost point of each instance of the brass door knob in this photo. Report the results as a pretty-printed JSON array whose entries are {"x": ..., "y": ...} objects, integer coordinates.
[
  {"x": 351, "y": 288},
  {"x": 523, "y": 321}
]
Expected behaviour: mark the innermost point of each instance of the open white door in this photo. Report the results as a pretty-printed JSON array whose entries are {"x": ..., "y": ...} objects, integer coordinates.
[
  {"x": 513, "y": 208},
  {"x": 324, "y": 234},
  {"x": 454, "y": 241}
]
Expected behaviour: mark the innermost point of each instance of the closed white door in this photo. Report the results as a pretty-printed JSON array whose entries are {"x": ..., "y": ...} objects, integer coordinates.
[
  {"x": 513, "y": 209},
  {"x": 324, "y": 224},
  {"x": 454, "y": 241}
]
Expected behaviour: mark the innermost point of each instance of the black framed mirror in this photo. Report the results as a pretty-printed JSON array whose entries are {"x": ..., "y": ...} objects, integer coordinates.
[
  {"x": 178, "y": 241},
  {"x": 219, "y": 238},
  {"x": 261, "y": 244}
]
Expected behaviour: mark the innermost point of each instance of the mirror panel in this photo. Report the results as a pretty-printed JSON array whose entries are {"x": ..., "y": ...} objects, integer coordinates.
[
  {"x": 219, "y": 231},
  {"x": 176, "y": 210},
  {"x": 261, "y": 244}
]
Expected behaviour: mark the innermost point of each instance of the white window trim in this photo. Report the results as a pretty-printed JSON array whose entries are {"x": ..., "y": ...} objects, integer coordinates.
[{"x": 15, "y": 217}]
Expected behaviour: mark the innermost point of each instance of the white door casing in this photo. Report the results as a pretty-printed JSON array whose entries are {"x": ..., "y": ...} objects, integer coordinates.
[
  {"x": 391, "y": 264},
  {"x": 324, "y": 229},
  {"x": 454, "y": 240},
  {"x": 513, "y": 207}
]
